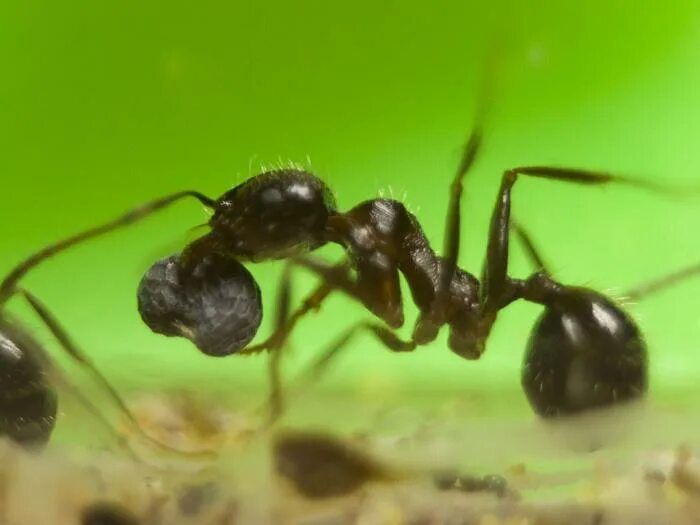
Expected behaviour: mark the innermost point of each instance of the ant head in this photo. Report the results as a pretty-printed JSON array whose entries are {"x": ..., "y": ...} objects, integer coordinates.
[
  {"x": 215, "y": 302},
  {"x": 274, "y": 215}
]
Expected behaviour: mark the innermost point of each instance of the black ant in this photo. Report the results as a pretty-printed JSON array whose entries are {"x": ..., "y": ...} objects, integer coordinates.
[{"x": 585, "y": 352}]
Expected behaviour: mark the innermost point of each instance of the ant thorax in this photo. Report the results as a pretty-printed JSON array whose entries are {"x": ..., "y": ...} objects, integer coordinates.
[{"x": 383, "y": 239}]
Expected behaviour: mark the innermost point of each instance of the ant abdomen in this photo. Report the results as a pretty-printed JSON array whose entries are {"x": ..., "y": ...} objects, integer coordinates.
[
  {"x": 583, "y": 353},
  {"x": 216, "y": 303},
  {"x": 28, "y": 402},
  {"x": 273, "y": 215}
]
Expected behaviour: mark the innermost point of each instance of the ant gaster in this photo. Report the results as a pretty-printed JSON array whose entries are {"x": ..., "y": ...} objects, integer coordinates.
[{"x": 584, "y": 352}]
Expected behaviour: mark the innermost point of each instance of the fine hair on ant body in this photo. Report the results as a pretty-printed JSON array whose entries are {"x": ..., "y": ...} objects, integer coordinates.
[{"x": 584, "y": 352}]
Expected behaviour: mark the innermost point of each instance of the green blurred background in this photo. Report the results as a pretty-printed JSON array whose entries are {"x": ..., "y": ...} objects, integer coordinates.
[{"x": 104, "y": 105}]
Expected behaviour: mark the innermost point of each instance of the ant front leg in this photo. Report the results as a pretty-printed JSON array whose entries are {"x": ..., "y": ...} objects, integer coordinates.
[{"x": 334, "y": 277}]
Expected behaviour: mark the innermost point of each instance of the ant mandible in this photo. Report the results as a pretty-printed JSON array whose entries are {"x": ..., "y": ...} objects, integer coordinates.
[{"x": 585, "y": 352}]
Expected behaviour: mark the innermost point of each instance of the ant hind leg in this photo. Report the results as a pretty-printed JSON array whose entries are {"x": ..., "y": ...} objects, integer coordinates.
[
  {"x": 658, "y": 284},
  {"x": 387, "y": 337}
]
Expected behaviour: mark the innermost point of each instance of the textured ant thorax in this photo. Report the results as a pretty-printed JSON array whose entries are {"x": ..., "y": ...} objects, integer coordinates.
[{"x": 274, "y": 214}]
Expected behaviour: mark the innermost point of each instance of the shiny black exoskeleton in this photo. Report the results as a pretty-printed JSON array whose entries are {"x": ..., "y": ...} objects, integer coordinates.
[
  {"x": 275, "y": 215},
  {"x": 584, "y": 353},
  {"x": 28, "y": 401}
]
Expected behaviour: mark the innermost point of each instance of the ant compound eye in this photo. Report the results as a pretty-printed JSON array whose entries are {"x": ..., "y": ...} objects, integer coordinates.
[{"x": 216, "y": 304}]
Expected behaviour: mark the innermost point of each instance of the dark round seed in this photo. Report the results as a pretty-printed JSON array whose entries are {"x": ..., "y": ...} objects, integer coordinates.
[
  {"x": 105, "y": 513},
  {"x": 216, "y": 304}
]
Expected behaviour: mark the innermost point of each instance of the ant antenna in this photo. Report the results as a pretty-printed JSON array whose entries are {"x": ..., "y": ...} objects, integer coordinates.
[{"x": 8, "y": 285}]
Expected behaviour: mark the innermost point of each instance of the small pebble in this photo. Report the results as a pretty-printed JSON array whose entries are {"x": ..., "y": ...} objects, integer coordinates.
[{"x": 104, "y": 513}]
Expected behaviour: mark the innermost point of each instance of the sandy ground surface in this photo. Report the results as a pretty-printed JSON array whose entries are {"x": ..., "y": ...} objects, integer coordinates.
[{"x": 632, "y": 465}]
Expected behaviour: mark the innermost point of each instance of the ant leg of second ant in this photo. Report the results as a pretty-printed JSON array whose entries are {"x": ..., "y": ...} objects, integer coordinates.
[{"x": 78, "y": 356}]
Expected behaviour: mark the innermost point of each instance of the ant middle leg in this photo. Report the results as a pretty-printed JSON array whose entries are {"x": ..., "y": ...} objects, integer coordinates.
[
  {"x": 335, "y": 277},
  {"x": 285, "y": 322},
  {"x": 387, "y": 337}
]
